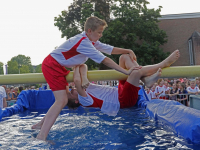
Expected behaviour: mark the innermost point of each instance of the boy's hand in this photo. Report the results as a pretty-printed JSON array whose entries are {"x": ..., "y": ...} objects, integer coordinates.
[
  {"x": 132, "y": 55},
  {"x": 133, "y": 68}
]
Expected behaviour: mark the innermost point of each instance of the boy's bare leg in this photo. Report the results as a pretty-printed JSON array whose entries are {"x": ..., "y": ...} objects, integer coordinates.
[
  {"x": 150, "y": 80},
  {"x": 39, "y": 124},
  {"x": 136, "y": 75},
  {"x": 148, "y": 70},
  {"x": 61, "y": 100},
  {"x": 83, "y": 72}
]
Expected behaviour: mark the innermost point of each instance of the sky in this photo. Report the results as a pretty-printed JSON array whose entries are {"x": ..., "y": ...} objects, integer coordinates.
[{"x": 27, "y": 26}]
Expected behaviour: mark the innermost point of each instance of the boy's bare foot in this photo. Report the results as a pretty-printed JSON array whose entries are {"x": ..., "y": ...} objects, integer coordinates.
[
  {"x": 37, "y": 126},
  {"x": 40, "y": 137},
  {"x": 85, "y": 83},
  {"x": 171, "y": 58},
  {"x": 150, "y": 80}
]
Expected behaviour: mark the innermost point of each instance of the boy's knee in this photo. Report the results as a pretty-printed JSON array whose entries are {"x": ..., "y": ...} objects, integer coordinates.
[
  {"x": 136, "y": 73},
  {"x": 123, "y": 57},
  {"x": 83, "y": 66}
]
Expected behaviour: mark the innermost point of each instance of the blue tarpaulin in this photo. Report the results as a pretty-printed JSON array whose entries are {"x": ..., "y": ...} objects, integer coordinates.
[
  {"x": 185, "y": 121},
  {"x": 30, "y": 99}
]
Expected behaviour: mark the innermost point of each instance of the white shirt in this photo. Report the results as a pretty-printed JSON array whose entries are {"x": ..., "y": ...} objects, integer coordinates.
[
  {"x": 2, "y": 95},
  {"x": 149, "y": 94},
  {"x": 160, "y": 89},
  {"x": 153, "y": 94},
  {"x": 78, "y": 49},
  {"x": 194, "y": 90},
  {"x": 108, "y": 94}
]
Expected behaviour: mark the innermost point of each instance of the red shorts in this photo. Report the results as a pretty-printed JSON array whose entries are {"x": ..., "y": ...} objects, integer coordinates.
[
  {"x": 162, "y": 97},
  {"x": 128, "y": 94},
  {"x": 54, "y": 73}
]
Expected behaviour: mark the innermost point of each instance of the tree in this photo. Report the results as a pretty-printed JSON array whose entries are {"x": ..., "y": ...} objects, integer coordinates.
[
  {"x": 1, "y": 68},
  {"x": 13, "y": 67},
  {"x": 38, "y": 69},
  {"x": 24, "y": 69},
  {"x": 134, "y": 27},
  {"x": 20, "y": 64}
]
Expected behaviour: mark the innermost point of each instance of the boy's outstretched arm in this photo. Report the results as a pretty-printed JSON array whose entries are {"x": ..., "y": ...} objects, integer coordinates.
[
  {"x": 77, "y": 82},
  {"x": 110, "y": 63},
  {"x": 117, "y": 50}
]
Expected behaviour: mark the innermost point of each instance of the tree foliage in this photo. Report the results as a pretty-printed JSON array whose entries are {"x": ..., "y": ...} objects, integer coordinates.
[
  {"x": 1, "y": 68},
  {"x": 20, "y": 64},
  {"x": 38, "y": 69},
  {"x": 133, "y": 26}
]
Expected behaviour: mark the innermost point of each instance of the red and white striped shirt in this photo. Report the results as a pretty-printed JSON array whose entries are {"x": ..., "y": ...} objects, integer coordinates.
[
  {"x": 151, "y": 94},
  {"x": 194, "y": 90},
  {"x": 104, "y": 97},
  {"x": 159, "y": 89},
  {"x": 78, "y": 49}
]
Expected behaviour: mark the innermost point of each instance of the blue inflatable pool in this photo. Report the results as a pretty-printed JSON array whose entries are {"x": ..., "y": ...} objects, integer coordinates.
[{"x": 184, "y": 121}]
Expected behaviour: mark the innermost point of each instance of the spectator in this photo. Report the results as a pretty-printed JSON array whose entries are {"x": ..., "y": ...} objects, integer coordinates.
[
  {"x": 12, "y": 89},
  {"x": 4, "y": 86},
  {"x": 193, "y": 89},
  {"x": 170, "y": 84},
  {"x": 40, "y": 87},
  {"x": 20, "y": 89},
  {"x": 181, "y": 80},
  {"x": 110, "y": 83},
  {"x": 15, "y": 93},
  {"x": 160, "y": 89},
  {"x": 182, "y": 98},
  {"x": 185, "y": 80},
  {"x": 187, "y": 84},
  {"x": 99, "y": 82},
  {"x": 177, "y": 82},
  {"x": 166, "y": 79},
  {"x": 173, "y": 92},
  {"x": 153, "y": 96},
  {"x": 3, "y": 102},
  {"x": 197, "y": 82},
  {"x": 8, "y": 94},
  {"x": 32, "y": 87},
  {"x": 148, "y": 92},
  {"x": 167, "y": 89}
]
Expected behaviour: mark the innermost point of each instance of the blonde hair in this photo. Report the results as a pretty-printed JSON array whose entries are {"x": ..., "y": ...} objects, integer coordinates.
[
  {"x": 93, "y": 23},
  {"x": 159, "y": 80}
]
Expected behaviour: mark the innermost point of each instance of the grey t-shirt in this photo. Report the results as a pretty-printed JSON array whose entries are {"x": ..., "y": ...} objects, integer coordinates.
[{"x": 2, "y": 95}]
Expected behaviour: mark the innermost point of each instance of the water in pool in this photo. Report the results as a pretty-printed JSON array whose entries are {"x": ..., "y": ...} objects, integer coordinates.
[{"x": 90, "y": 129}]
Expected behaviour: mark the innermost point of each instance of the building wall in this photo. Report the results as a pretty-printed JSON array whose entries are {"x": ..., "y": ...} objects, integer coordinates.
[{"x": 179, "y": 30}]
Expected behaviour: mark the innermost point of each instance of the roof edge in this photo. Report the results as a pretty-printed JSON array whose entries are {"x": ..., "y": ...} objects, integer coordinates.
[{"x": 180, "y": 16}]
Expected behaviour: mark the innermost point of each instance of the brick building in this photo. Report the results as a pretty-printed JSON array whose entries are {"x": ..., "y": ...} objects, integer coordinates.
[{"x": 183, "y": 34}]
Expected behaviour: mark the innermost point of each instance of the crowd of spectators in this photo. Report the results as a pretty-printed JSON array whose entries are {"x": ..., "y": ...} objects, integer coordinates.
[
  {"x": 176, "y": 89},
  {"x": 10, "y": 93}
]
